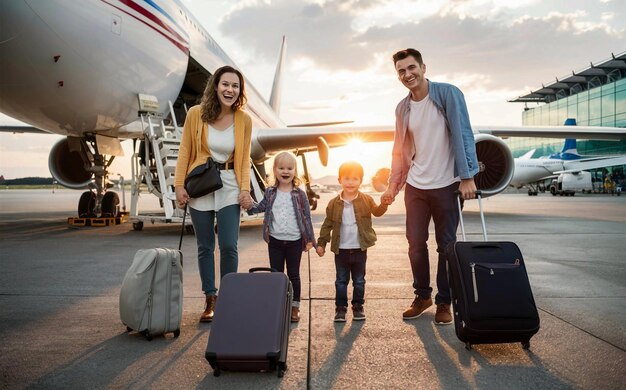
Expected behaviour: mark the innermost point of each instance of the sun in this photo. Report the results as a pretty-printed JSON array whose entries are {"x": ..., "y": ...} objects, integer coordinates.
[
  {"x": 372, "y": 156},
  {"x": 353, "y": 150}
]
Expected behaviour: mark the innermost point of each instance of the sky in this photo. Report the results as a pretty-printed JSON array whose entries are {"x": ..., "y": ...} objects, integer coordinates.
[{"x": 339, "y": 67}]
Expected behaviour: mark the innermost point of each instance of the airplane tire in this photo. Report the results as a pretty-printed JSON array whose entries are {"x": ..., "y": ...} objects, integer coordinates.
[
  {"x": 110, "y": 203},
  {"x": 137, "y": 226},
  {"x": 86, "y": 203}
]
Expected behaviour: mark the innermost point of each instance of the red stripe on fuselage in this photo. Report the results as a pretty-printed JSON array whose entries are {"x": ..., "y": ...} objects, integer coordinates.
[{"x": 183, "y": 48}]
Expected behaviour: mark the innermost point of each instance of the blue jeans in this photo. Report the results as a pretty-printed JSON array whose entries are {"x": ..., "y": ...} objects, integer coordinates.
[
  {"x": 289, "y": 252},
  {"x": 350, "y": 261},
  {"x": 422, "y": 205},
  {"x": 228, "y": 235}
]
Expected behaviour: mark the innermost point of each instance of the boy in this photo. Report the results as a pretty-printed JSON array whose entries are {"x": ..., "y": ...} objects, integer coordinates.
[{"x": 349, "y": 219}]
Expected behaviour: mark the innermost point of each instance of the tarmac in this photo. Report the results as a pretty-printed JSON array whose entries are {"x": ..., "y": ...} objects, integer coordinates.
[{"x": 60, "y": 327}]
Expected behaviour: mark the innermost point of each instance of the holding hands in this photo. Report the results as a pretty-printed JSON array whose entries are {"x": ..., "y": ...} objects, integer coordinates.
[
  {"x": 320, "y": 251},
  {"x": 245, "y": 199},
  {"x": 387, "y": 197}
]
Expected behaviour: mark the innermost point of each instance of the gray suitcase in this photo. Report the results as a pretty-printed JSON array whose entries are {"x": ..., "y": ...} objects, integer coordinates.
[
  {"x": 151, "y": 297},
  {"x": 250, "y": 330}
]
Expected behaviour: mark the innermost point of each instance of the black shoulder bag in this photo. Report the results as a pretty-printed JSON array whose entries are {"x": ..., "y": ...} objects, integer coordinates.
[{"x": 203, "y": 179}]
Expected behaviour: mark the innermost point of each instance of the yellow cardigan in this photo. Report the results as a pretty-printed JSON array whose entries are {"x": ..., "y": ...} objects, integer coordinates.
[{"x": 194, "y": 147}]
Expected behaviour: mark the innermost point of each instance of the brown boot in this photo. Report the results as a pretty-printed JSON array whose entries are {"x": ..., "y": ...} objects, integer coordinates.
[
  {"x": 295, "y": 314},
  {"x": 443, "y": 315},
  {"x": 209, "y": 307},
  {"x": 417, "y": 307}
]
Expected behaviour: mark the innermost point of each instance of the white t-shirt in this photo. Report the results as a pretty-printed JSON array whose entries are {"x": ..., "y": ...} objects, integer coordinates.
[
  {"x": 284, "y": 225},
  {"x": 221, "y": 146},
  {"x": 433, "y": 164},
  {"x": 349, "y": 231}
]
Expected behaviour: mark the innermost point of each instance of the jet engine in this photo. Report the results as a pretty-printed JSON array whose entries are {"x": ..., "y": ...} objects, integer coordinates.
[
  {"x": 496, "y": 164},
  {"x": 67, "y": 166}
]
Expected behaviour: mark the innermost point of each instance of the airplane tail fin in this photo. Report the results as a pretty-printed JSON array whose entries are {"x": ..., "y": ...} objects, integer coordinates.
[
  {"x": 278, "y": 76},
  {"x": 527, "y": 155},
  {"x": 569, "y": 151},
  {"x": 569, "y": 146}
]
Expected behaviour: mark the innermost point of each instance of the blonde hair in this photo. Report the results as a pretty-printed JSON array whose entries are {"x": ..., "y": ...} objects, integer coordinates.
[{"x": 282, "y": 156}]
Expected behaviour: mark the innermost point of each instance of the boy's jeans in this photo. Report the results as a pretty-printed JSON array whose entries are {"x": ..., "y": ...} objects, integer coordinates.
[{"x": 350, "y": 262}]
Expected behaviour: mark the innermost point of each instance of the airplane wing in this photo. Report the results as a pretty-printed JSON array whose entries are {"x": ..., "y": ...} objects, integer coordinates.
[
  {"x": 21, "y": 129},
  {"x": 307, "y": 139},
  {"x": 578, "y": 165},
  {"x": 580, "y": 132}
]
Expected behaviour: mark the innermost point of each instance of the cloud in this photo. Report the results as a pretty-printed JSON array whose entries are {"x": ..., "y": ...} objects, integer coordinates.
[
  {"x": 502, "y": 46},
  {"x": 320, "y": 32}
]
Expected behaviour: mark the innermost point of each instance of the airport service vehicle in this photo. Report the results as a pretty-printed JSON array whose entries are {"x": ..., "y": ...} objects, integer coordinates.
[{"x": 567, "y": 184}]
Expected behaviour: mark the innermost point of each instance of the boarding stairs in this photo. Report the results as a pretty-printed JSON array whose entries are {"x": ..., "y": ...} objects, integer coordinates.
[{"x": 153, "y": 169}]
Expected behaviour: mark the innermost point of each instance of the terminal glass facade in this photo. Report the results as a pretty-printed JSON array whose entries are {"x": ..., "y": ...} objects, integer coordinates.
[
  {"x": 604, "y": 105},
  {"x": 601, "y": 106}
]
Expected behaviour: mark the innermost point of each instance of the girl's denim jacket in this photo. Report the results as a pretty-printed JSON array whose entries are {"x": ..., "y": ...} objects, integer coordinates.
[
  {"x": 301, "y": 208},
  {"x": 450, "y": 102}
]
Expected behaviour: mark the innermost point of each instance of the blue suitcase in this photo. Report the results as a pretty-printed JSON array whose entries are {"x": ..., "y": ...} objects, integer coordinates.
[{"x": 250, "y": 329}]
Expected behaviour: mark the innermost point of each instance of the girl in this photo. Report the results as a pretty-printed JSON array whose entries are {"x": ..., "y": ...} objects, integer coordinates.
[
  {"x": 287, "y": 226},
  {"x": 219, "y": 128}
]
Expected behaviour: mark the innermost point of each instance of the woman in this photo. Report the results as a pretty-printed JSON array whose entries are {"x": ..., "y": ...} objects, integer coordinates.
[{"x": 218, "y": 128}]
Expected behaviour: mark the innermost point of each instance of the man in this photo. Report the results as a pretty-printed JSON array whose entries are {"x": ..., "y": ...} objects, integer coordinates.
[{"x": 434, "y": 154}]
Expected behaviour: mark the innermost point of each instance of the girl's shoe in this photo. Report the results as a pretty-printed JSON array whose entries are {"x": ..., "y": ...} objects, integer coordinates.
[{"x": 295, "y": 314}]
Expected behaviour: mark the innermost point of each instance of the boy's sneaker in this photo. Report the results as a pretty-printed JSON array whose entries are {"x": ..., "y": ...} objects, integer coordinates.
[
  {"x": 358, "y": 314},
  {"x": 443, "y": 316},
  {"x": 417, "y": 307},
  {"x": 340, "y": 313}
]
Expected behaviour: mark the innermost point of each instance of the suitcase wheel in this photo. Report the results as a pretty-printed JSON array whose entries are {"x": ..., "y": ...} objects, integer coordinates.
[
  {"x": 217, "y": 371},
  {"x": 147, "y": 335},
  {"x": 282, "y": 367},
  {"x": 468, "y": 346},
  {"x": 526, "y": 344},
  {"x": 176, "y": 333}
]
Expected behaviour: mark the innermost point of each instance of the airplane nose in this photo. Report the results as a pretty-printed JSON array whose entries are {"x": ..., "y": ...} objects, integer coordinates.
[{"x": 15, "y": 16}]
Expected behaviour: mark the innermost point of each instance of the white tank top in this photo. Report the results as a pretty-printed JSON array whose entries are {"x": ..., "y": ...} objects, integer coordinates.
[{"x": 221, "y": 146}]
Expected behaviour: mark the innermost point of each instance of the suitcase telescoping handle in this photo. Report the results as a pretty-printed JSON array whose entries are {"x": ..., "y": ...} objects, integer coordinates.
[
  {"x": 482, "y": 214},
  {"x": 260, "y": 269}
]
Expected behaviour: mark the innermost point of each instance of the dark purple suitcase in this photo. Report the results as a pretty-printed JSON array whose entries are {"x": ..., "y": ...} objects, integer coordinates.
[
  {"x": 491, "y": 294},
  {"x": 250, "y": 329}
]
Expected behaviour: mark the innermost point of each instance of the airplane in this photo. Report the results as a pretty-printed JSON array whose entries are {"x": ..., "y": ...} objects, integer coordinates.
[
  {"x": 102, "y": 71},
  {"x": 532, "y": 172}
]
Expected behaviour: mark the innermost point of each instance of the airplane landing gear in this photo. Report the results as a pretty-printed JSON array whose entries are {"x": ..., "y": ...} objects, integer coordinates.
[
  {"x": 532, "y": 190},
  {"x": 97, "y": 201},
  {"x": 86, "y": 204},
  {"x": 311, "y": 195}
]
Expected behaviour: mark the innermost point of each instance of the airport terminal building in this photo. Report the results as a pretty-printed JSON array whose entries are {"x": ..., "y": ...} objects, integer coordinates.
[{"x": 594, "y": 96}]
